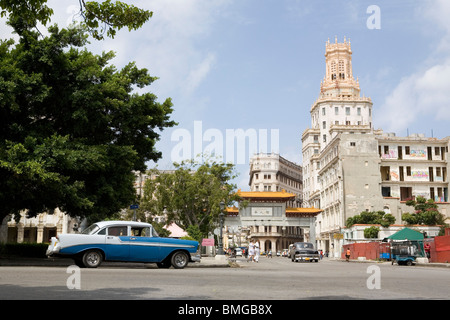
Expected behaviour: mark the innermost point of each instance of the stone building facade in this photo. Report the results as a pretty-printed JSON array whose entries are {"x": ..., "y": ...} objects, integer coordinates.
[
  {"x": 349, "y": 167},
  {"x": 272, "y": 172},
  {"x": 38, "y": 229},
  {"x": 268, "y": 219}
]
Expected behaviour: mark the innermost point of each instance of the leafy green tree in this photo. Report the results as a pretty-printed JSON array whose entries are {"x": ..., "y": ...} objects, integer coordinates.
[
  {"x": 426, "y": 213},
  {"x": 371, "y": 232},
  {"x": 98, "y": 17},
  {"x": 373, "y": 217},
  {"x": 191, "y": 195},
  {"x": 72, "y": 128}
]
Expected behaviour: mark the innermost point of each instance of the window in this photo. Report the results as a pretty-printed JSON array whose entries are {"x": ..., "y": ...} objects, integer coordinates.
[
  {"x": 324, "y": 138},
  {"x": 336, "y": 110},
  {"x": 352, "y": 144},
  {"x": 324, "y": 124},
  {"x": 118, "y": 231},
  {"x": 405, "y": 193},
  {"x": 359, "y": 111},
  {"x": 408, "y": 171},
  {"x": 323, "y": 111},
  {"x": 140, "y": 232},
  {"x": 341, "y": 69},
  {"x": 347, "y": 111},
  {"x": 385, "y": 173},
  {"x": 407, "y": 150}
]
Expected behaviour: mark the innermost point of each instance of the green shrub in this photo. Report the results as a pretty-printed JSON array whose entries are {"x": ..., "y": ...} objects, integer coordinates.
[{"x": 371, "y": 232}]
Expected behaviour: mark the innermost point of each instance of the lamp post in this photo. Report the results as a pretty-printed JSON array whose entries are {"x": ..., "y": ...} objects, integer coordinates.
[{"x": 221, "y": 216}]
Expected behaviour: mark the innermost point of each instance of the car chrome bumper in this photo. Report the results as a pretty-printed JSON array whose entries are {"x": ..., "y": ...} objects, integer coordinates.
[
  {"x": 306, "y": 258},
  {"x": 195, "y": 257}
]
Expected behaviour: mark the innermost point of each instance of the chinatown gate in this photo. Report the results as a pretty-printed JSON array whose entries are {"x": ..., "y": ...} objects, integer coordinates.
[{"x": 267, "y": 219}]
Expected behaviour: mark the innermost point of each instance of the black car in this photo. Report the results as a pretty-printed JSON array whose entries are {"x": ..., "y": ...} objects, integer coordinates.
[{"x": 303, "y": 251}]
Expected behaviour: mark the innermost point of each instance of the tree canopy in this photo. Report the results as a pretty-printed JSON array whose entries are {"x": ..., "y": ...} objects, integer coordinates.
[
  {"x": 72, "y": 127},
  {"x": 191, "y": 195},
  {"x": 373, "y": 217},
  {"x": 425, "y": 213},
  {"x": 98, "y": 17}
]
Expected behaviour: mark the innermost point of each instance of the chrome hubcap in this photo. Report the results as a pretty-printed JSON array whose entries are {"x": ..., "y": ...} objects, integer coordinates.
[
  {"x": 92, "y": 259},
  {"x": 180, "y": 260}
]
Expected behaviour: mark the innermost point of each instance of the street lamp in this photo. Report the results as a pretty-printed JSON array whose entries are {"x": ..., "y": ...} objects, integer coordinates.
[{"x": 221, "y": 216}]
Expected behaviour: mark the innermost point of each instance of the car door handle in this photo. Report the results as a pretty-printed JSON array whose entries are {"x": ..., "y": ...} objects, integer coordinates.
[{"x": 133, "y": 238}]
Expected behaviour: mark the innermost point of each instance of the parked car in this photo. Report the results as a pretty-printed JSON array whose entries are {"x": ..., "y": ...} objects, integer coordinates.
[
  {"x": 303, "y": 251},
  {"x": 126, "y": 241}
]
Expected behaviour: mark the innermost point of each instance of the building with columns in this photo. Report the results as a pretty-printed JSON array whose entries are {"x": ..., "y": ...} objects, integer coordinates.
[
  {"x": 268, "y": 219},
  {"x": 349, "y": 167},
  {"x": 38, "y": 229}
]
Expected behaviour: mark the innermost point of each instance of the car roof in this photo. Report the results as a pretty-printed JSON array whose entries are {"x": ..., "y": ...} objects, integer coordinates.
[{"x": 102, "y": 224}]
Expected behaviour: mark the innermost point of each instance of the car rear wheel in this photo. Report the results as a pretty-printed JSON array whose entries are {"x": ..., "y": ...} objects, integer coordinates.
[
  {"x": 92, "y": 259},
  {"x": 179, "y": 260}
]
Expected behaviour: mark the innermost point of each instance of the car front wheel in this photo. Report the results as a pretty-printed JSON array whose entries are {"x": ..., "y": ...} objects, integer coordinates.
[
  {"x": 179, "y": 260},
  {"x": 92, "y": 259}
]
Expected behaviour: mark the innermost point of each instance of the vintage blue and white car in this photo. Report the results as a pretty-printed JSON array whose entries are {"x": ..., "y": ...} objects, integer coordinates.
[{"x": 126, "y": 241}]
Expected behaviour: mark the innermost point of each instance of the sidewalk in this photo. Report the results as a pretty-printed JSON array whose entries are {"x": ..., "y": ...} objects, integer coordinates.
[{"x": 206, "y": 262}]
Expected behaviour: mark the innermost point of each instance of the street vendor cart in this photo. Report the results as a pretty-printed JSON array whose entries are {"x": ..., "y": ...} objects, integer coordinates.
[
  {"x": 406, "y": 246},
  {"x": 405, "y": 252}
]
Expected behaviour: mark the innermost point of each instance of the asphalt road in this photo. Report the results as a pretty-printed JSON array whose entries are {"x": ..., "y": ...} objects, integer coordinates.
[{"x": 270, "y": 279}]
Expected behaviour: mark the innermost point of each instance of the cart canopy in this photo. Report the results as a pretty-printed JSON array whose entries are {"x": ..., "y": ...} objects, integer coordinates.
[{"x": 406, "y": 234}]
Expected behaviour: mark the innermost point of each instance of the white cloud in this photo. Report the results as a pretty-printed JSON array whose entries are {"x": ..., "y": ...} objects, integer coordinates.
[
  {"x": 171, "y": 46},
  {"x": 198, "y": 74},
  {"x": 426, "y": 91}
]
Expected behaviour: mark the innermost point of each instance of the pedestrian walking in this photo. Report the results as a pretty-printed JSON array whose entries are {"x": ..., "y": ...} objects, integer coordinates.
[
  {"x": 257, "y": 251},
  {"x": 347, "y": 255},
  {"x": 427, "y": 248},
  {"x": 251, "y": 251}
]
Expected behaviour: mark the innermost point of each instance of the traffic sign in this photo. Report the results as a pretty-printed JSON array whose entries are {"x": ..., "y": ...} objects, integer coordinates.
[{"x": 134, "y": 206}]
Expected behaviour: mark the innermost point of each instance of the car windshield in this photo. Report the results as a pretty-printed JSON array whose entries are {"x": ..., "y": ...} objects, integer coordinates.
[
  {"x": 305, "y": 245},
  {"x": 91, "y": 230}
]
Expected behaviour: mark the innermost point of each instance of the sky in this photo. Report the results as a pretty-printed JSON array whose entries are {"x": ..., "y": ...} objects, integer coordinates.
[{"x": 254, "y": 67}]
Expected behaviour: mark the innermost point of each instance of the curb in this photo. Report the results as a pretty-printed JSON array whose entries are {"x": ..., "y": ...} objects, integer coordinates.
[{"x": 65, "y": 262}]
